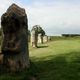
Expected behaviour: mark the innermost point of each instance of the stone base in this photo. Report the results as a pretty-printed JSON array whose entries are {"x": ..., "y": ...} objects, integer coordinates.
[
  {"x": 34, "y": 45},
  {"x": 13, "y": 63},
  {"x": 1, "y": 59}
]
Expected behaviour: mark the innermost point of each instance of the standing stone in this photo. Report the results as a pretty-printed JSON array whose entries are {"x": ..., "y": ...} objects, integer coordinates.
[
  {"x": 29, "y": 35},
  {"x": 49, "y": 38},
  {"x": 34, "y": 36},
  {"x": 40, "y": 38},
  {"x": 45, "y": 39},
  {"x": 41, "y": 33},
  {"x": 14, "y": 47}
]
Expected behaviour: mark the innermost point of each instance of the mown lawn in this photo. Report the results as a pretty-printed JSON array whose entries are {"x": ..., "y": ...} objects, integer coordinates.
[{"x": 55, "y": 60}]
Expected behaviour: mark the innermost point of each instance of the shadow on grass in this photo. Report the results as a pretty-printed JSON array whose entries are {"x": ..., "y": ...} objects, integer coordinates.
[
  {"x": 42, "y": 46},
  {"x": 27, "y": 74},
  {"x": 61, "y": 67}
]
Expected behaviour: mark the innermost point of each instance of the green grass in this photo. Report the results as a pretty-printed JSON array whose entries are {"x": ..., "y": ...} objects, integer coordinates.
[{"x": 55, "y": 60}]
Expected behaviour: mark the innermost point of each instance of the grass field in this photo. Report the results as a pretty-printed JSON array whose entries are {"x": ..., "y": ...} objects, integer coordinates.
[{"x": 55, "y": 60}]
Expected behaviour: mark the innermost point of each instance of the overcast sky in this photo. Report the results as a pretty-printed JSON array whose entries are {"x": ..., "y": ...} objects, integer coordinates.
[{"x": 55, "y": 16}]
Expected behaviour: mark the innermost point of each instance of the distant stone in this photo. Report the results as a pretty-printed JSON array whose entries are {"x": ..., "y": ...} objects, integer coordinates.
[
  {"x": 49, "y": 38},
  {"x": 45, "y": 39},
  {"x": 40, "y": 38},
  {"x": 34, "y": 36}
]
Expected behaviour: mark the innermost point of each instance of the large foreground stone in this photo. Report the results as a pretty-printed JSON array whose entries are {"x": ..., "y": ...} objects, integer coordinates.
[{"x": 15, "y": 38}]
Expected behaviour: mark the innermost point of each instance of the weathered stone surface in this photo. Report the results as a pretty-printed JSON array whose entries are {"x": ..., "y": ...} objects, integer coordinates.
[
  {"x": 1, "y": 59},
  {"x": 15, "y": 38},
  {"x": 40, "y": 38},
  {"x": 41, "y": 33},
  {"x": 34, "y": 36},
  {"x": 45, "y": 39},
  {"x": 37, "y": 34},
  {"x": 49, "y": 38},
  {"x": 29, "y": 35}
]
